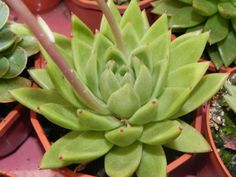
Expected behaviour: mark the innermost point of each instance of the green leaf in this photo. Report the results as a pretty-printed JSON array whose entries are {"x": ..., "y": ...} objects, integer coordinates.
[
  {"x": 231, "y": 89},
  {"x": 160, "y": 132},
  {"x": 86, "y": 147},
  {"x": 227, "y": 48},
  {"x": 183, "y": 143},
  {"x": 145, "y": 114},
  {"x": 4, "y": 66},
  {"x": 168, "y": 7},
  {"x": 153, "y": 162},
  {"x": 124, "y": 136},
  {"x": 113, "y": 53},
  {"x": 205, "y": 7},
  {"x": 17, "y": 62},
  {"x": 61, "y": 115},
  {"x": 185, "y": 17},
  {"x": 234, "y": 23},
  {"x": 231, "y": 101},
  {"x": 51, "y": 157},
  {"x": 4, "y": 13},
  {"x": 133, "y": 15},
  {"x": 186, "y": 1},
  {"x": 171, "y": 101},
  {"x": 195, "y": 47},
  {"x": 123, "y": 160},
  {"x": 157, "y": 29},
  {"x": 215, "y": 56},
  {"x": 124, "y": 102},
  {"x": 92, "y": 121},
  {"x": 33, "y": 98},
  {"x": 7, "y": 39},
  {"x": 41, "y": 77},
  {"x": 227, "y": 9},
  {"x": 192, "y": 73},
  {"x": 218, "y": 28},
  {"x": 202, "y": 92},
  {"x": 7, "y": 85}
]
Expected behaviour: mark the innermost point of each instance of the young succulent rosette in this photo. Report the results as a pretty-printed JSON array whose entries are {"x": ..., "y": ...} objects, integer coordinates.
[
  {"x": 16, "y": 45},
  {"x": 137, "y": 95},
  {"x": 216, "y": 16}
]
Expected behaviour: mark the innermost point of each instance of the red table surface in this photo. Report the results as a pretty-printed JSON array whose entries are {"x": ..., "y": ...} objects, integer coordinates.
[{"x": 24, "y": 161}]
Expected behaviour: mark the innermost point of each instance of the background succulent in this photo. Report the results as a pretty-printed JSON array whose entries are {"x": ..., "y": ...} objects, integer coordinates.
[
  {"x": 16, "y": 45},
  {"x": 141, "y": 91},
  {"x": 216, "y": 16}
]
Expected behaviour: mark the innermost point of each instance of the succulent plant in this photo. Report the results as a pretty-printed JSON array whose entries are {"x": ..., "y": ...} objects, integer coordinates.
[
  {"x": 16, "y": 45},
  {"x": 138, "y": 93},
  {"x": 216, "y": 16}
]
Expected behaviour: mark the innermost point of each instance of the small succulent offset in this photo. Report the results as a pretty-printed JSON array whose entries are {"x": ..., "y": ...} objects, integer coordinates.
[
  {"x": 16, "y": 45},
  {"x": 139, "y": 94},
  {"x": 216, "y": 16}
]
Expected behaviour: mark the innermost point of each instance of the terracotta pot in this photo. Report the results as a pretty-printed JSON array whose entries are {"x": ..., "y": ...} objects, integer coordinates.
[
  {"x": 37, "y": 6},
  {"x": 89, "y": 12},
  {"x": 46, "y": 144},
  {"x": 6, "y": 174},
  {"x": 14, "y": 129}
]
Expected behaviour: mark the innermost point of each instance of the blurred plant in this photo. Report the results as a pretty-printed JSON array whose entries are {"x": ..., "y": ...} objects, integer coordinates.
[
  {"x": 216, "y": 16},
  {"x": 133, "y": 90},
  {"x": 16, "y": 45}
]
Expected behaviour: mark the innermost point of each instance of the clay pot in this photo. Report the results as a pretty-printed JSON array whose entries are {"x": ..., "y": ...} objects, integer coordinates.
[
  {"x": 14, "y": 129},
  {"x": 37, "y": 6},
  {"x": 6, "y": 174},
  {"x": 89, "y": 12}
]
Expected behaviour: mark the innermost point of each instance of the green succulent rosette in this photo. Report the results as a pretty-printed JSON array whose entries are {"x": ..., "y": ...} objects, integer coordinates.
[
  {"x": 16, "y": 45},
  {"x": 216, "y": 16},
  {"x": 142, "y": 92}
]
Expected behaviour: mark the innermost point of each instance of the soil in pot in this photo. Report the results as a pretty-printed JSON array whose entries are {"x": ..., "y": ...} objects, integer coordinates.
[{"x": 5, "y": 109}]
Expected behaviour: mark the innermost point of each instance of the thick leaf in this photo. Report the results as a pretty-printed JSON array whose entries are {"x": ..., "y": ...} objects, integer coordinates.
[
  {"x": 7, "y": 38},
  {"x": 124, "y": 102},
  {"x": 61, "y": 115},
  {"x": 160, "y": 133},
  {"x": 227, "y": 48},
  {"x": 128, "y": 78},
  {"x": 113, "y": 53},
  {"x": 51, "y": 157},
  {"x": 42, "y": 78},
  {"x": 4, "y": 13},
  {"x": 123, "y": 160},
  {"x": 227, "y": 9},
  {"x": 234, "y": 23},
  {"x": 205, "y": 7},
  {"x": 192, "y": 73},
  {"x": 17, "y": 62},
  {"x": 218, "y": 28},
  {"x": 186, "y": 1},
  {"x": 202, "y": 92},
  {"x": 7, "y": 85},
  {"x": 4, "y": 66},
  {"x": 92, "y": 121},
  {"x": 231, "y": 101},
  {"x": 124, "y": 136},
  {"x": 215, "y": 56},
  {"x": 86, "y": 147},
  {"x": 153, "y": 162},
  {"x": 185, "y": 17},
  {"x": 171, "y": 101},
  {"x": 183, "y": 143},
  {"x": 231, "y": 89},
  {"x": 168, "y": 7},
  {"x": 33, "y": 98},
  {"x": 195, "y": 46},
  {"x": 145, "y": 114},
  {"x": 159, "y": 27},
  {"x": 134, "y": 16},
  {"x": 46, "y": 29}
]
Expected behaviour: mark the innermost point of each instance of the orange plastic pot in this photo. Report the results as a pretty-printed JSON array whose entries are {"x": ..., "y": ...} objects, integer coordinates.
[
  {"x": 46, "y": 144},
  {"x": 6, "y": 174},
  {"x": 14, "y": 129},
  {"x": 89, "y": 12},
  {"x": 37, "y": 6}
]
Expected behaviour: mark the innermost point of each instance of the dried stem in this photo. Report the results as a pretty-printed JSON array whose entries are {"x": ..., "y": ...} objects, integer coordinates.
[
  {"x": 112, "y": 22},
  {"x": 19, "y": 7}
]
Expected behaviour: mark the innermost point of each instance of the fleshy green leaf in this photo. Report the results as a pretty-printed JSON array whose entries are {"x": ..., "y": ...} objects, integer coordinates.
[
  {"x": 205, "y": 7},
  {"x": 4, "y": 66},
  {"x": 92, "y": 121},
  {"x": 153, "y": 162},
  {"x": 231, "y": 89},
  {"x": 185, "y": 17},
  {"x": 7, "y": 85},
  {"x": 215, "y": 56},
  {"x": 51, "y": 157},
  {"x": 124, "y": 102},
  {"x": 160, "y": 133},
  {"x": 183, "y": 143},
  {"x": 231, "y": 101},
  {"x": 123, "y": 160},
  {"x": 218, "y": 28},
  {"x": 4, "y": 13},
  {"x": 234, "y": 23},
  {"x": 227, "y": 9},
  {"x": 7, "y": 38},
  {"x": 186, "y": 1},
  {"x": 42, "y": 78},
  {"x": 86, "y": 147},
  {"x": 124, "y": 136}
]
